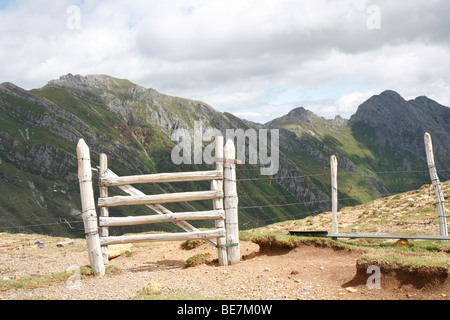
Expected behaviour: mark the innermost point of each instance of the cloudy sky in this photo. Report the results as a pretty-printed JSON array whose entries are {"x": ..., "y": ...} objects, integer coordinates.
[{"x": 257, "y": 59}]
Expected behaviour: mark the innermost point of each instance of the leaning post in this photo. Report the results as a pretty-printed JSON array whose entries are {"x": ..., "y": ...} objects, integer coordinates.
[
  {"x": 334, "y": 195},
  {"x": 436, "y": 184},
  {"x": 88, "y": 208},
  {"x": 231, "y": 202},
  {"x": 104, "y": 211}
]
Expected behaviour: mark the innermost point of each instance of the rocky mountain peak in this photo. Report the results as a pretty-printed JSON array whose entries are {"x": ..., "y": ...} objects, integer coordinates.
[
  {"x": 92, "y": 82},
  {"x": 379, "y": 108},
  {"x": 405, "y": 122},
  {"x": 301, "y": 114},
  {"x": 297, "y": 115},
  {"x": 338, "y": 120}
]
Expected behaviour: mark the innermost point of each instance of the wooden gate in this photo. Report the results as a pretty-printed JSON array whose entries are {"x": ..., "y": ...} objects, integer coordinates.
[{"x": 223, "y": 194}]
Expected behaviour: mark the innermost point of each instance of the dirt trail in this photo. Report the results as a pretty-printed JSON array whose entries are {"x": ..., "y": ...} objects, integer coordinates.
[{"x": 307, "y": 272}]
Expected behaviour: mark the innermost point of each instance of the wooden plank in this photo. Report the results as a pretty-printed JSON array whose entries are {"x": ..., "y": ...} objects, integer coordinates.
[
  {"x": 135, "y": 220},
  {"x": 231, "y": 204},
  {"x": 436, "y": 184},
  {"x": 311, "y": 233},
  {"x": 162, "y": 177},
  {"x": 88, "y": 208},
  {"x": 158, "y": 208},
  {"x": 224, "y": 160},
  {"x": 159, "y": 198},
  {"x": 180, "y": 236}
]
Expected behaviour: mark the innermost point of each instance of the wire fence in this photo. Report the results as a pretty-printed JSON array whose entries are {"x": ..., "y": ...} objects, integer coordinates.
[{"x": 73, "y": 223}]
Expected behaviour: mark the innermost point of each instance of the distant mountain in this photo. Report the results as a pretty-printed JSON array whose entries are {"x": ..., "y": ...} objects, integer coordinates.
[
  {"x": 39, "y": 130},
  {"x": 302, "y": 115},
  {"x": 380, "y": 149},
  {"x": 404, "y": 123}
]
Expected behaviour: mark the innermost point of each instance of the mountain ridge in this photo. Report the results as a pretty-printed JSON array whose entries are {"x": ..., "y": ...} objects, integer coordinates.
[
  {"x": 133, "y": 125},
  {"x": 405, "y": 122}
]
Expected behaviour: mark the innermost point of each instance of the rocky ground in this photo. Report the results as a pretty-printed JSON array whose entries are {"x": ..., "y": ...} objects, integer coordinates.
[{"x": 307, "y": 272}]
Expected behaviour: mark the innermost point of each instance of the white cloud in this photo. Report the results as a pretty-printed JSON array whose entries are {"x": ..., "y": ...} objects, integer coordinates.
[{"x": 256, "y": 58}]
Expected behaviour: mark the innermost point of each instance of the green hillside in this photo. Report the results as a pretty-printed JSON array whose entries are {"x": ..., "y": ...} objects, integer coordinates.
[{"x": 39, "y": 130}]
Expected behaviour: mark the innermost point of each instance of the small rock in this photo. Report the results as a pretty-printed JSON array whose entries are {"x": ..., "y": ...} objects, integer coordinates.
[
  {"x": 40, "y": 244},
  {"x": 402, "y": 243},
  {"x": 152, "y": 288},
  {"x": 66, "y": 244},
  {"x": 117, "y": 249},
  {"x": 351, "y": 289},
  {"x": 266, "y": 269},
  {"x": 6, "y": 279}
]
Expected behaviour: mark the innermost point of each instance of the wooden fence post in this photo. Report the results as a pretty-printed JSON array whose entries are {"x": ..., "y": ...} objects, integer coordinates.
[
  {"x": 88, "y": 208},
  {"x": 436, "y": 184},
  {"x": 334, "y": 195},
  {"x": 104, "y": 211},
  {"x": 218, "y": 203},
  {"x": 231, "y": 203}
]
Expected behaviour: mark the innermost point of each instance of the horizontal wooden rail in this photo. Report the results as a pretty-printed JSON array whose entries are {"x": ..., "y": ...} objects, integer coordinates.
[
  {"x": 159, "y": 198},
  {"x": 158, "y": 208},
  {"x": 162, "y": 177},
  {"x": 179, "y": 236},
  {"x": 134, "y": 220}
]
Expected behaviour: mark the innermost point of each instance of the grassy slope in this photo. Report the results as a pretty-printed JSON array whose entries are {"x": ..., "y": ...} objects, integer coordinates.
[
  {"x": 41, "y": 208},
  {"x": 371, "y": 161},
  {"x": 411, "y": 213}
]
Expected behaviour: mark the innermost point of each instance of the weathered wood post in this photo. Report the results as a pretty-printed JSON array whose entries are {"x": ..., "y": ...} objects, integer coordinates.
[
  {"x": 104, "y": 211},
  {"x": 436, "y": 184},
  {"x": 88, "y": 208},
  {"x": 218, "y": 203},
  {"x": 334, "y": 195},
  {"x": 231, "y": 203}
]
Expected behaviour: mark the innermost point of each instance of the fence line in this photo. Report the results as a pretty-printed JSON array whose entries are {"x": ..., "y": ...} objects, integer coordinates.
[
  {"x": 275, "y": 178},
  {"x": 225, "y": 214},
  {"x": 373, "y": 196},
  {"x": 327, "y": 167},
  {"x": 387, "y": 170},
  {"x": 439, "y": 201}
]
